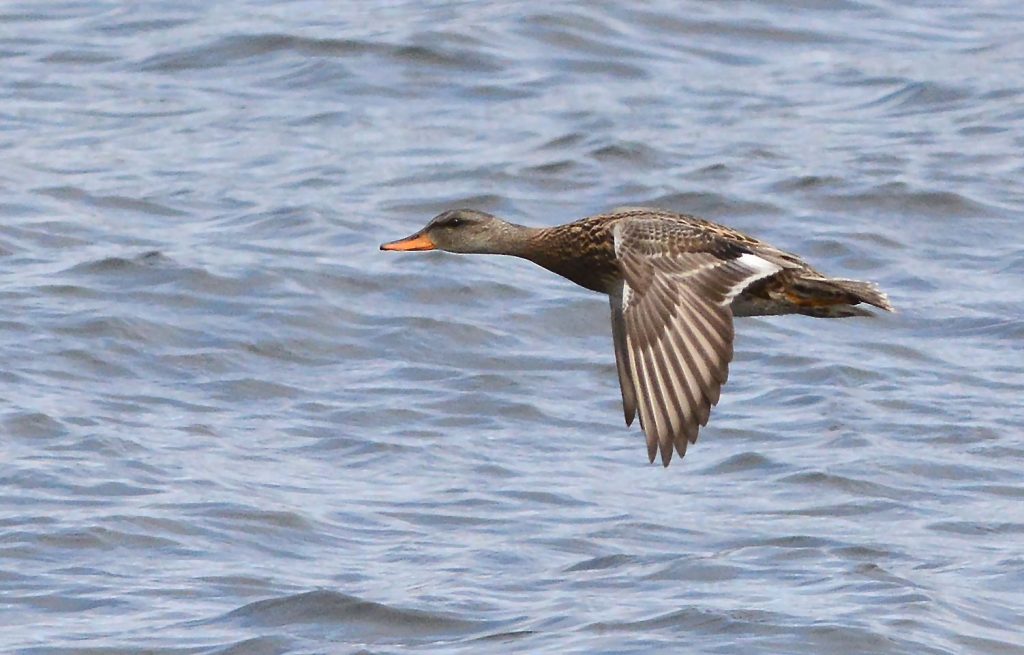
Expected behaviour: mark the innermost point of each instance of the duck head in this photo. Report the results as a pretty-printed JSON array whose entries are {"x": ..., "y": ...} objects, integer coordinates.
[{"x": 464, "y": 231}]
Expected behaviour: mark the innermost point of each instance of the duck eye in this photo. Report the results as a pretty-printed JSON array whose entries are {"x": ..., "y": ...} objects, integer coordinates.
[{"x": 454, "y": 222}]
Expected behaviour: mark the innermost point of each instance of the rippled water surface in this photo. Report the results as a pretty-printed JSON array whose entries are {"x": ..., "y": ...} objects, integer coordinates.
[{"x": 231, "y": 425}]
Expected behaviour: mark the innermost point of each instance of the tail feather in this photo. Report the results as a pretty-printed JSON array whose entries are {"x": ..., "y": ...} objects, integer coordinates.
[
  {"x": 865, "y": 292},
  {"x": 834, "y": 297}
]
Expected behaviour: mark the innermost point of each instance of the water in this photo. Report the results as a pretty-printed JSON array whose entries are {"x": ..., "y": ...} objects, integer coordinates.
[{"x": 231, "y": 425}]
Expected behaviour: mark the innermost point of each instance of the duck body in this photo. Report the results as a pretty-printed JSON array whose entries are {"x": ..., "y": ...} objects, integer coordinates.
[
  {"x": 675, "y": 282},
  {"x": 584, "y": 252}
]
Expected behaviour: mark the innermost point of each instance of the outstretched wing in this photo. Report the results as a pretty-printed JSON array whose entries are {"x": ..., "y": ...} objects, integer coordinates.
[{"x": 672, "y": 325}]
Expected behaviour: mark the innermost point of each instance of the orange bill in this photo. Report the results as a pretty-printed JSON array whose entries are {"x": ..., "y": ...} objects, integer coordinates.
[{"x": 415, "y": 242}]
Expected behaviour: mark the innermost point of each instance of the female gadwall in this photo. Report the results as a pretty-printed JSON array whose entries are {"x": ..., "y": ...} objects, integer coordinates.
[{"x": 675, "y": 283}]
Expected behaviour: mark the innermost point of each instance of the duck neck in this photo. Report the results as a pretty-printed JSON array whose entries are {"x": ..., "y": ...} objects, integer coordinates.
[{"x": 515, "y": 240}]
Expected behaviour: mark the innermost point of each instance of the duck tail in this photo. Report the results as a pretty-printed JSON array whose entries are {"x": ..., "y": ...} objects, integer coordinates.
[
  {"x": 834, "y": 297},
  {"x": 865, "y": 292}
]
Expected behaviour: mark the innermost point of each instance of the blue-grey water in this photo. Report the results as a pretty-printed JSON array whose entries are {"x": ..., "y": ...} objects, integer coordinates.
[{"x": 229, "y": 424}]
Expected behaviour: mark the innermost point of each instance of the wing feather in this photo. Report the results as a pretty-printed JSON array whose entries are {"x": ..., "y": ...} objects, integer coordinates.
[
  {"x": 673, "y": 337},
  {"x": 622, "y": 363}
]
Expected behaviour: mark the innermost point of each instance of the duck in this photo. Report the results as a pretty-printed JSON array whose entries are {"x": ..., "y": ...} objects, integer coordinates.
[{"x": 675, "y": 282}]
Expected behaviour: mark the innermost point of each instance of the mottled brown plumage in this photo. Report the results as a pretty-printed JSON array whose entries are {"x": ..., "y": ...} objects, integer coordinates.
[{"x": 675, "y": 283}]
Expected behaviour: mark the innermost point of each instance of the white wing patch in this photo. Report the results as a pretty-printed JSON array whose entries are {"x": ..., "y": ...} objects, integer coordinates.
[
  {"x": 760, "y": 268},
  {"x": 617, "y": 239},
  {"x": 627, "y": 295}
]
